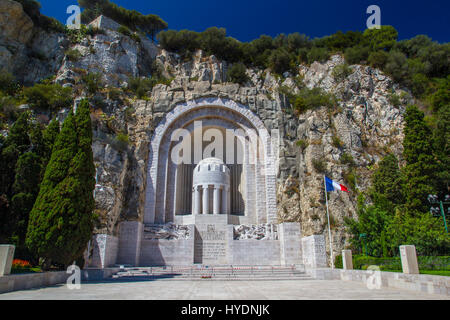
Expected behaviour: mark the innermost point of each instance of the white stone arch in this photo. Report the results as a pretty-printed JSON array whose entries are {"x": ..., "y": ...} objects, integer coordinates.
[
  {"x": 215, "y": 105},
  {"x": 223, "y": 123}
]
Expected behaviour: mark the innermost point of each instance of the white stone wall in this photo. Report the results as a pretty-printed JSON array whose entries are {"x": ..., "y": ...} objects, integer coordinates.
[
  {"x": 167, "y": 252},
  {"x": 314, "y": 251},
  {"x": 256, "y": 252},
  {"x": 130, "y": 240},
  {"x": 290, "y": 243}
]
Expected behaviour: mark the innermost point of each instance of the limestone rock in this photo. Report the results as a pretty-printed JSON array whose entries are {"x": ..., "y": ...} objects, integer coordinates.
[{"x": 15, "y": 24}]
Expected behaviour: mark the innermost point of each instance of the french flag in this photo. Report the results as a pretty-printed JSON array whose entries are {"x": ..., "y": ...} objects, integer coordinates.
[{"x": 332, "y": 185}]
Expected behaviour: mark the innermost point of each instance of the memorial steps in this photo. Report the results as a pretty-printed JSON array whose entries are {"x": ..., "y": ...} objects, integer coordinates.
[{"x": 213, "y": 273}]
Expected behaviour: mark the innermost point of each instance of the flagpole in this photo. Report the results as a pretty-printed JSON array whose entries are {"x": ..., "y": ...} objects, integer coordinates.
[{"x": 329, "y": 227}]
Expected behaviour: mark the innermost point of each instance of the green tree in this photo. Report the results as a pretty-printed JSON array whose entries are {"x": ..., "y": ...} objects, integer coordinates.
[
  {"x": 421, "y": 166},
  {"x": 386, "y": 190},
  {"x": 17, "y": 142},
  {"x": 149, "y": 24},
  {"x": 381, "y": 39},
  {"x": 441, "y": 146},
  {"x": 48, "y": 96},
  {"x": 49, "y": 137},
  {"x": 423, "y": 231},
  {"x": 357, "y": 54},
  {"x": 374, "y": 222},
  {"x": 378, "y": 59},
  {"x": 61, "y": 220},
  {"x": 238, "y": 73},
  {"x": 317, "y": 54},
  {"x": 25, "y": 190},
  {"x": 280, "y": 61}
]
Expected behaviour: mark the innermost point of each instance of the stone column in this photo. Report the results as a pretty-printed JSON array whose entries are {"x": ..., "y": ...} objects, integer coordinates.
[
  {"x": 409, "y": 259},
  {"x": 205, "y": 199},
  {"x": 6, "y": 258},
  {"x": 228, "y": 201},
  {"x": 347, "y": 263},
  {"x": 197, "y": 200},
  {"x": 216, "y": 204},
  {"x": 224, "y": 200}
]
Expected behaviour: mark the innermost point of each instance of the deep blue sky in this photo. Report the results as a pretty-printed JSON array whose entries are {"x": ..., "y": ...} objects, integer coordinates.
[{"x": 246, "y": 20}]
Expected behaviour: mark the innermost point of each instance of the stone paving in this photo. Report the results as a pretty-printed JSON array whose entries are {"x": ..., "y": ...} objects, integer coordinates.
[{"x": 170, "y": 289}]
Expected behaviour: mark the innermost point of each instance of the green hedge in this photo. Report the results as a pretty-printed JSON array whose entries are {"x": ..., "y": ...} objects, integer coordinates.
[{"x": 361, "y": 262}]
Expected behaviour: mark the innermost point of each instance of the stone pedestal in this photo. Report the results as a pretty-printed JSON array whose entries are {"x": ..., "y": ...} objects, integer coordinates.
[
  {"x": 104, "y": 251},
  {"x": 314, "y": 252},
  {"x": 211, "y": 239},
  {"x": 409, "y": 259},
  {"x": 6, "y": 258},
  {"x": 130, "y": 239},
  {"x": 347, "y": 263},
  {"x": 290, "y": 243}
]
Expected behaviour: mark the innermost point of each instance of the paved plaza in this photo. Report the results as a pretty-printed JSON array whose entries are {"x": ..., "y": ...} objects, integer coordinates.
[{"x": 170, "y": 289}]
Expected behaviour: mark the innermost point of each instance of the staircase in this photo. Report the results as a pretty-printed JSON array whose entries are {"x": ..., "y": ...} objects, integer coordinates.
[{"x": 213, "y": 273}]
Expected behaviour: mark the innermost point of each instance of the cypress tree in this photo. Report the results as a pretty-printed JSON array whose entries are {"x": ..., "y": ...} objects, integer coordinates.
[
  {"x": 49, "y": 137},
  {"x": 61, "y": 221},
  {"x": 441, "y": 145},
  {"x": 386, "y": 191},
  {"x": 25, "y": 188},
  {"x": 17, "y": 142},
  {"x": 421, "y": 167}
]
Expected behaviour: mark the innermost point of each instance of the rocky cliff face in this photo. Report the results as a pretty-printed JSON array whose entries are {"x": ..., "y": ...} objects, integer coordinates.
[
  {"x": 345, "y": 143},
  {"x": 26, "y": 50}
]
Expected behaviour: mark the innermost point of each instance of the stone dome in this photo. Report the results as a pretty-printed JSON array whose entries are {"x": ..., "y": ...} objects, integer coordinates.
[{"x": 211, "y": 171}]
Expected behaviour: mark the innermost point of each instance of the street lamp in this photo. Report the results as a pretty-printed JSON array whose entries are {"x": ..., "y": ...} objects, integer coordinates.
[
  {"x": 363, "y": 237},
  {"x": 437, "y": 207}
]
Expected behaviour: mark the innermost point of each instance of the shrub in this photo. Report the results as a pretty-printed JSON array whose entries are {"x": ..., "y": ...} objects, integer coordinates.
[
  {"x": 319, "y": 165},
  {"x": 114, "y": 93},
  {"x": 92, "y": 81},
  {"x": 347, "y": 159},
  {"x": 356, "y": 54},
  {"x": 237, "y": 73},
  {"x": 383, "y": 38},
  {"x": 48, "y": 96},
  {"x": 317, "y": 54},
  {"x": 341, "y": 72},
  {"x": 73, "y": 55},
  {"x": 313, "y": 98},
  {"x": 303, "y": 144},
  {"x": 20, "y": 264},
  {"x": 279, "y": 61},
  {"x": 136, "y": 37},
  {"x": 397, "y": 66},
  {"x": 140, "y": 86},
  {"x": 8, "y": 83},
  {"x": 337, "y": 142},
  {"x": 120, "y": 142},
  {"x": 51, "y": 24},
  {"x": 419, "y": 84},
  {"x": 338, "y": 264},
  {"x": 426, "y": 263},
  {"x": 124, "y": 30},
  {"x": 150, "y": 24},
  {"x": 8, "y": 108},
  {"x": 350, "y": 178},
  {"x": 378, "y": 59},
  {"x": 394, "y": 99}
]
